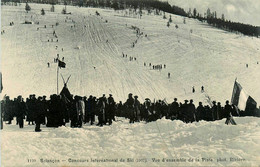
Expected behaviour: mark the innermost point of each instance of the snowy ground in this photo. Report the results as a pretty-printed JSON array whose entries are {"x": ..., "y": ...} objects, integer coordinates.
[
  {"x": 207, "y": 56},
  {"x": 163, "y": 139}
]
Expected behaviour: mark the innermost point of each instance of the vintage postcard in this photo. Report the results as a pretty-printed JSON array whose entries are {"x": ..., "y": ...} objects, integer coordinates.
[{"x": 130, "y": 83}]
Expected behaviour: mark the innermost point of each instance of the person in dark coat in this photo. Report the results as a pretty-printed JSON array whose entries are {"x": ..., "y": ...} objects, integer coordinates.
[
  {"x": 220, "y": 111},
  {"x": 110, "y": 109},
  {"x": 214, "y": 110},
  {"x": 157, "y": 110},
  {"x": 200, "y": 112},
  {"x": 183, "y": 111},
  {"x": 90, "y": 107},
  {"x": 208, "y": 113},
  {"x": 8, "y": 115},
  {"x": 173, "y": 111},
  {"x": 21, "y": 111},
  {"x": 73, "y": 113},
  {"x": 228, "y": 111},
  {"x": 29, "y": 105},
  {"x": 130, "y": 107},
  {"x": 45, "y": 110},
  {"x": 94, "y": 109},
  {"x": 119, "y": 109},
  {"x": 39, "y": 114},
  {"x": 190, "y": 112}
]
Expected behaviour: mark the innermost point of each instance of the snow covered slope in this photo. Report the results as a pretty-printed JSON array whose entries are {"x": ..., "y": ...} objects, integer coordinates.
[
  {"x": 204, "y": 142},
  {"x": 207, "y": 56}
]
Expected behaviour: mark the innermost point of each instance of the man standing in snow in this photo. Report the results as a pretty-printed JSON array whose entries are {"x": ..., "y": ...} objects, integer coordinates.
[
  {"x": 110, "y": 112},
  {"x": 214, "y": 110},
  {"x": 147, "y": 112},
  {"x": 80, "y": 106},
  {"x": 200, "y": 112},
  {"x": 101, "y": 110},
  {"x": 137, "y": 109},
  {"x": 7, "y": 106},
  {"x": 130, "y": 106},
  {"x": 190, "y": 112},
  {"x": 39, "y": 114},
  {"x": 173, "y": 111},
  {"x": 21, "y": 111},
  {"x": 228, "y": 111},
  {"x": 183, "y": 111}
]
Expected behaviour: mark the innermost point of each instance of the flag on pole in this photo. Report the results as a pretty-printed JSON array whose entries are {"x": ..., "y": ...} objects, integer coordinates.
[
  {"x": 245, "y": 103},
  {"x": 61, "y": 64}
]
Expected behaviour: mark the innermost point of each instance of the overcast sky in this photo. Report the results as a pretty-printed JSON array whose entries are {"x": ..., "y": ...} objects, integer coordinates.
[{"x": 245, "y": 11}]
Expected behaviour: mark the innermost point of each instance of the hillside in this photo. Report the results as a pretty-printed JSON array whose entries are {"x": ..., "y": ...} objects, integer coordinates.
[
  {"x": 207, "y": 56},
  {"x": 239, "y": 11}
]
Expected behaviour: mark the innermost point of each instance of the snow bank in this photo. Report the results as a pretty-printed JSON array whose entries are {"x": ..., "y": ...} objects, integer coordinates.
[{"x": 160, "y": 143}]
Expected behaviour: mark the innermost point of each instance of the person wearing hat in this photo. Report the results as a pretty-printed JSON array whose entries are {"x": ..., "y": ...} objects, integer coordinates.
[
  {"x": 173, "y": 112},
  {"x": 29, "y": 110},
  {"x": 200, "y": 112},
  {"x": 110, "y": 109},
  {"x": 90, "y": 109},
  {"x": 190, "y": 112},
  {"x": 130, "y": 107},
  {"x": 137, "y": 107},
  {"x": 45, "y": 105},
  {"x": 39, "y": 114},
  {"x": 119, "y": 110},
  {"x": 227, "y": 110},
  {"x": 214, "y": 110},
  {"x": 21, "y": 111},
  {"x": 7, "y": 110},
  {"x": 220, "y": 111},
  {"x": 147, "y": 112}
]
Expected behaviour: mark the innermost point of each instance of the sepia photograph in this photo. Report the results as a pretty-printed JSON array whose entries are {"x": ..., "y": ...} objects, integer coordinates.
[{"x": 145, "y": 83}]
